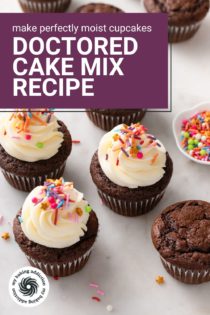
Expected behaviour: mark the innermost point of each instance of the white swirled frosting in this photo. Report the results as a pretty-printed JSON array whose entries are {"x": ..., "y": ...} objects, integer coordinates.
[
  {"x": 130, "y": 157},
  {"x": 39, "y": 141},
  {"x": 40, "y": 223}
]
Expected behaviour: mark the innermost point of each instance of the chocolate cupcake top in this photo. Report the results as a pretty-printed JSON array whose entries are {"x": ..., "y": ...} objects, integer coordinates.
[
  {"x": 55, "y": 215},
  {"x": 130, "y": 157},
  {"x": 30, "y": 136},
  {"x": 180, "y": 12},
  {"x": 98, "y": 8},
  {"x": 181, "y": 234}
]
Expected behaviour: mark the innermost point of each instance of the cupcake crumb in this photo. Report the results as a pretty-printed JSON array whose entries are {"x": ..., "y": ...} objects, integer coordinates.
[
  {"x": 109, "y": 308},
  {"x": 160, "y": 280},
  {"x": 5, "y": 236}
]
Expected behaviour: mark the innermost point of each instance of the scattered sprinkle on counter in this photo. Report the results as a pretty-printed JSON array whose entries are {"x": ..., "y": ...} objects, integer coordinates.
[
  {"x": 109, "y": 308},
  {"x": 5, "y": 236},
  {"x": 56, "y": 278},
  {"x": 93, "y": 285},
  {"x": 195, "y": 136},
  {"x": 95, "y": 298},
  {"x": 160, "y": 280}
]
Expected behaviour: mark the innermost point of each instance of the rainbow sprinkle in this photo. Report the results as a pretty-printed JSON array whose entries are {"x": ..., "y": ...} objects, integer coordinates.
[
  {"x": 93, "y": 285},
  {"x": 195, "y": 136},
  {"x": 96, "y": 298},
  {"x": 57, "y": 199},
  {"x": 26, "y": 118},
  {"x": 129, "y": 141}
]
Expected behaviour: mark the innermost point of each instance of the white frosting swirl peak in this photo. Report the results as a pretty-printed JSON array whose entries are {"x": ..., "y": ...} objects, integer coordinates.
[
  {"x": 30, "y": 138},
  {"x": 130, "y": 157},
  {"x": 51, "y": 222}
]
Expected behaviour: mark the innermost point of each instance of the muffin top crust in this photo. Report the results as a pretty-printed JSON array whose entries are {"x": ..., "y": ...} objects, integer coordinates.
[
  {"x": 181, "y": 234},
  {"x": 180, "y": 12}
]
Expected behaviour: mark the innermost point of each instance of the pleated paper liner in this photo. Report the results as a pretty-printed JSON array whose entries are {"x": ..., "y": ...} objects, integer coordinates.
[
  {"x": 108, "y": 122},
  {"x": 188, "y": 276},
  {"x": 61, "y": 269},
  {"x": 27, "y": 183},
  {"x": 44, "y": 6},
  {"x": 182, "y": 33},
  {"x": 130, "y": 208}
]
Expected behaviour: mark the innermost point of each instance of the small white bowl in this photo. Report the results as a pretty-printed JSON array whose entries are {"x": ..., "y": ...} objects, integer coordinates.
[{"x": 177, "y": 125}]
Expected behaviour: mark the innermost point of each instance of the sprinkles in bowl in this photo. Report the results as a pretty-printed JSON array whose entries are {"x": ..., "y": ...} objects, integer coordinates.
[{"x": 195, "y": 136}]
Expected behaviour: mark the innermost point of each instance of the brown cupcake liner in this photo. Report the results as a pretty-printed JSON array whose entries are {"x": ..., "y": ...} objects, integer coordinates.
[
  {"x": 46, "y": 6},
  {"x": 188, "y": 276},
  {"x": 108, "y": 122},
  {"x": 27, "y": 183},
  {"x": 181, "y": 33},
  {"x": 130, "y": 208},
  {"x": 62, "y": 269}
]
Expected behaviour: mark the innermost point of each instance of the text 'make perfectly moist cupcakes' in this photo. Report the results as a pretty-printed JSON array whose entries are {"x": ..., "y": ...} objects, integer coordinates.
[
  {"x": 34, "y": 145},
  {"x": 181, "y": 235},
  {"x": 44, "y": 6},
  {"x": 131, "y": 170},
  {"x": 56, "y": 228},
  {"x": 184, "y": 16}
]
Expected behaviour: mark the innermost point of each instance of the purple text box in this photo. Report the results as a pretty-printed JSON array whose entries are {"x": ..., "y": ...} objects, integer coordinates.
[{"x": 145, "y": 80}]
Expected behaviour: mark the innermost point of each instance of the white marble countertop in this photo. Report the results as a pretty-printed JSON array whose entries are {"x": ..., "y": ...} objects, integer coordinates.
[{"x": 124, "y": 261}]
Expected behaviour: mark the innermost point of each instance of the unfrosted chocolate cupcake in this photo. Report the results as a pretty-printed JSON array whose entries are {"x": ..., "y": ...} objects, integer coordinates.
[
  {"x": 44, "y": 6},
  {"x": 56, "y": 228},
  {"x": 181, "y": 234},
  {"x": 184, "y": 16},
  {"x": 33, "y": 146},
  {"x": 107, "y": 119},
  {"x": 98, "y": 8},
  {"x": 131, "y": 170}
]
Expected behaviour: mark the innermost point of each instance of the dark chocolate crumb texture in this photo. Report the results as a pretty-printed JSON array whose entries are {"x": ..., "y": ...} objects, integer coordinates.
[
  {"x": 180, "y": 12},
  {"x": 181, "y": 234},
  {"x": 98, "y": 8}
]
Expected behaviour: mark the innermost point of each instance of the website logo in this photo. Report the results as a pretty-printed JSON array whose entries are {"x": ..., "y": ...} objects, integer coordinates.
[{"x": 28, "y": 287}]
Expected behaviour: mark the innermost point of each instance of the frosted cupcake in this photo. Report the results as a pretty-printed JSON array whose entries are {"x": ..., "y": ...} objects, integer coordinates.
[
  {"x": 33, "y": 146},
  {"x": 56, "y": 228},
  {"x": 131, "y": 170}
]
